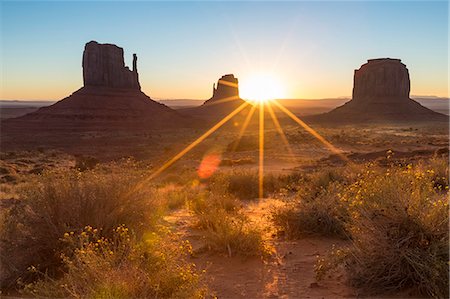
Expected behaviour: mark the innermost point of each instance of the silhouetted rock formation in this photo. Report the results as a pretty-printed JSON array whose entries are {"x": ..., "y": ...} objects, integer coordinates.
[
  {"x": 225, "y": 99},
  {"x": 381, "y": 93},
  {"x": 110, "y": 100},
  {"x": 227, "y": 89},
  {"x": 103, "y": 65}
]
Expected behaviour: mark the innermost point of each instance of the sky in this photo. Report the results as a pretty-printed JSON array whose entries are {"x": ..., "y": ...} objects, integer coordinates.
[{"x": 312, "y": 47}]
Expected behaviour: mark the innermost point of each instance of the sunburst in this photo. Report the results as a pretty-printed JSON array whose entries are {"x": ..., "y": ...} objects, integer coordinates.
[{"x": 261, "y": 105}]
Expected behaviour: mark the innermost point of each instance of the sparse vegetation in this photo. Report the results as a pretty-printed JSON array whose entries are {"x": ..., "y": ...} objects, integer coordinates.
[
  {"x": 399, "y": 232},
  {"x": 322, "y": 215},
  {"x": 83, "y": 234},
  {"x": 121, "y": 267},
  {"x": 225, "y": 228},
  {"x": 58, "y": 202}
]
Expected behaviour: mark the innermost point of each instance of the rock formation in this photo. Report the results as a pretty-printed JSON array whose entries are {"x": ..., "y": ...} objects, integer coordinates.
[
  {"x": 381, "y": 93},
  {"x": 104, "y": 66},
  {"x": 224, "y": 100},
  {"x": 380, "y": 79},
  {"x": 227, "y": 89},
  {"x": 111, "y": 98}
]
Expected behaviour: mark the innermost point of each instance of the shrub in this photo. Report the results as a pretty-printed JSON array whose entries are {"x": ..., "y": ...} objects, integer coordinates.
[
  {"x": 231, "y": 233},
  {"x": 225, "y": 228},
  {"x": 322, "y": 215},
  {"x": 316, "y": 208},
  {"x": 242, "y": 184},
  {"x": 399, "y": 230},
  {"x": 59, "y": 202},
  {"x": 122, "y": 267},
  {"x": 83, "y": 163}
]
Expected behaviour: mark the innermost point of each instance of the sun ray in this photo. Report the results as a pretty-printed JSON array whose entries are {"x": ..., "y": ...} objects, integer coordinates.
[
  {"x": 198, "y": 140},
  {"x": 228, "y": 83},
  {"x": 280, "y": 129},
  {"x": 244, "y": 127},
  {"x": 223, "y": 100},
  {"x": 190, "y": 146},
  {"x": 261, "y": 151},
  {"x": 331, "y": 147}
]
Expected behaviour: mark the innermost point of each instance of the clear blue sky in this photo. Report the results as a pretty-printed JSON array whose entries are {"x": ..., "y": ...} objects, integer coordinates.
[{"x": 183, "y": 47}]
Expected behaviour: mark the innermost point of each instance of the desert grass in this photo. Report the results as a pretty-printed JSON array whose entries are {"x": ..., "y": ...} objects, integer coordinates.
[
  {"x": 321, "y": 215},
  {"x": 55, "y": 203},
  {"x": 225, "y": 228},
  {"x": 315, "y": 209},
  {"x": 399, "y": 231},
  {"x": 122, "y": 266}
]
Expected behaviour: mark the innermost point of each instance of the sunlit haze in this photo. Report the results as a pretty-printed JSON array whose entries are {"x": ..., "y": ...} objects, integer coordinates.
[
  {"x": 312, "y": 48},
  {"x": 261, "y": 87}
]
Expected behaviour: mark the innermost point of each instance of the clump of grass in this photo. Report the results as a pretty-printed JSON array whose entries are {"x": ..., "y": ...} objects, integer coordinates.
[
  {"x": 316, "y": 208},
  {"x": 399, "y": 232},
  {"x": 232, "y": 234},
  {"x": 83, "y": 163},
  {"x": 243, "y": 184},
  {"x": 322, "y": 215},
  {"x": 225, "y": 228},
  {"x": 59, "y": 202},
  {"x": 121, "y": 267}
]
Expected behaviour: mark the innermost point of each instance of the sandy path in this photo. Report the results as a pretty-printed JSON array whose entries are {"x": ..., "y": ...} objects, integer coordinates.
[{"x": 289, "y": 273}]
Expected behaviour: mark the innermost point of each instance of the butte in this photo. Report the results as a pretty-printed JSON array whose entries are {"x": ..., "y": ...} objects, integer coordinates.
[{"x": 381, "y": 90}]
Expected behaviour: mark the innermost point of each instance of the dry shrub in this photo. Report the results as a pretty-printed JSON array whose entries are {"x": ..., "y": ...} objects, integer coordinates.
[
  {"x": 59, "y": 202},
  {"x": 399, "y": 230},
  {"x": 243, "y": 184},
  {"x": 316, "y": 208},
  {"x": 122, "y": 267},
  {"x": 225, "y": 228},
  {"x": 322, "y": 215},
  {"x": 231, "y": 233},
  {"x": 83, "y": 163}
]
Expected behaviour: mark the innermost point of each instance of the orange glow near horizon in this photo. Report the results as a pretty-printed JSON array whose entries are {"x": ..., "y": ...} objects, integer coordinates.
[{"x": 261, "y": 87}]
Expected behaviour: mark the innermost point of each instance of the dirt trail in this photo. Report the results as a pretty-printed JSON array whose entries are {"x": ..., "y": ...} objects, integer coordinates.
[{"x": 289, "y": 273}]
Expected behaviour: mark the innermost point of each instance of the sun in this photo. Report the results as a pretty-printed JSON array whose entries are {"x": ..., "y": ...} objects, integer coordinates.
[{"x": 261, "y": 87}]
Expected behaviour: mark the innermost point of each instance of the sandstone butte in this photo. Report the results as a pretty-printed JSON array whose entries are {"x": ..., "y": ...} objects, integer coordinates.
[
  {"x": 111, "y": 96},
  {"x": 225, "y": 99},
  {"x": 381, "y": 90}
]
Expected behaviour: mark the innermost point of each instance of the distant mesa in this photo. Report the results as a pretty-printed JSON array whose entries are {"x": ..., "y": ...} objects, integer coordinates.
[
  {"x": 111, "y": 96},
  {"x": 225, "y": 99},
  {"x": 381, "y": 93}
]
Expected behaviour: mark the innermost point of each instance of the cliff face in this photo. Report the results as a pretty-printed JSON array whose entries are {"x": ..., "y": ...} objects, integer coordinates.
[
  {"x": 381, "y": 94},
  {"x": 104, "y": 66},
  {"x": 379, "y": 79}
]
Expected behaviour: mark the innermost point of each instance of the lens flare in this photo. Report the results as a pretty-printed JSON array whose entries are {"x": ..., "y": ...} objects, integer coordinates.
[{"x": 209, "y": 165}]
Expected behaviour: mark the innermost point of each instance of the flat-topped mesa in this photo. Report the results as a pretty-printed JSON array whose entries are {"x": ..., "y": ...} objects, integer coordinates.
[
  {"x": 104, "y": 66},
  {"x": 227, "y": 87},
  {"x": 380, "y": 80}
]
